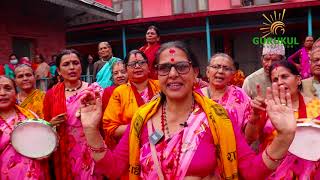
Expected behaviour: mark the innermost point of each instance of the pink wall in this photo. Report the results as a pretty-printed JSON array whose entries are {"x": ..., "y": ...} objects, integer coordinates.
[
  {"x": 39, "y": 21},
  {"x": 154, "y": 8},
  {"x": 105, "y": 2},
  {"x": 219, "y": 5}
]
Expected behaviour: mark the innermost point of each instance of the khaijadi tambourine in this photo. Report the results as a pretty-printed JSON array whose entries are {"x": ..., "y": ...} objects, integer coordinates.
[
  {"x": 306, "y": 143},
  {"x": 34, "y": 138}
]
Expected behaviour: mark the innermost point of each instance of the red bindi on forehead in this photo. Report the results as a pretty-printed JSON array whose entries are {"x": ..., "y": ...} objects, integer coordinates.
[{"x": 172, "y": 52}]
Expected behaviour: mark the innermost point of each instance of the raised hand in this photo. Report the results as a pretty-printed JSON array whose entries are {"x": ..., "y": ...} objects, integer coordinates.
[
  {"x": 90, "y": 109},
  {"x": 258, "y": 103},
  {"x": 279, "y": 109}
]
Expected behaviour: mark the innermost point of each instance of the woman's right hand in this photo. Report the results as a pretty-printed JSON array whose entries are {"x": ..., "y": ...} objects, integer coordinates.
[
  {"x": 258, "y": 103},
  {"x": 55, "y": 121},
  {"x": 90, "y": 109},
  {"x": 280, "y": 111}
]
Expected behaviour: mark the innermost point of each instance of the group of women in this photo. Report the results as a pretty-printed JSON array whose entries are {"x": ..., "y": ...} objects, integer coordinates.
[
  {"x": 168, "y": 136},
  {"x": 158, "y": 129}
]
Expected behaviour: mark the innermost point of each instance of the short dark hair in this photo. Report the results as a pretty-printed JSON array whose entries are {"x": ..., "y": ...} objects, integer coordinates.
[
  {"x": 286, "y": 64},
  {"x": 65, "y": 52},
  {"x": 135, "y": 51},
  {"x": 13, "y": 54},
  {"x": 155, "y": 29},
  {"x": 41, "y": 57},
  {"x": 180, "y": 45}
]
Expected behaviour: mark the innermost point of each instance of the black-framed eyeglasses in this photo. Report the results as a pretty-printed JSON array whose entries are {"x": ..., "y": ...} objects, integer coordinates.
[
  {"x": 180, "y": 67},
  {"x": 134, "y": 63},
  {"x": 224, "y": 68}
]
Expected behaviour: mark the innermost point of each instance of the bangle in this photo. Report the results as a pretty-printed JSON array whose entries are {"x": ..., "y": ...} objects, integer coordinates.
[
  {"x": 99, "y": 149},
  {"x": 271, "y": 158}
]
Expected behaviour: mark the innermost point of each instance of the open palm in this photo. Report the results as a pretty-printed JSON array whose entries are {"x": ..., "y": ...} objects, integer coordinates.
[
  {"x": 90, "y": 109},
  {"x": 279, "y": 108}
]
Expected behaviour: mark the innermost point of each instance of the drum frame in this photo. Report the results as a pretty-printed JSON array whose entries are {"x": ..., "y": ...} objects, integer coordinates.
[{"x": 38, "y": 121}]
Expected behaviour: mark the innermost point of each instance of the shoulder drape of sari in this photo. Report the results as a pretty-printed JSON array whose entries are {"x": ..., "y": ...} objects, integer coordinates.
[
  {"x": 305, "y": 70},
  {"x": 105, "y": 73},
  {"x": 150, "y": 52},
  {"x": 42, "y": 71},
  {"x": 121, "y": 107},
  {"x": 190, "y": 136},
  {"x": 106, "y": 96},
  {"x": 236, "y": 102},
  {"x": 55, "y": 104},
  {"x": 34, "y": 102},
  {"x": 14, "y": 165},
  {"x": 8, "y": 70},
  {"x": 72, "y": 159},
  {"x": 220, "y": 126}
]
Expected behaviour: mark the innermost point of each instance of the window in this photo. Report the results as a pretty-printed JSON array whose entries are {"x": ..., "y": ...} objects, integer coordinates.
[
  {"x": 188, "y": 6},
  {"x": 22, "y": 47},
  {"x": 131, "y": 9}
]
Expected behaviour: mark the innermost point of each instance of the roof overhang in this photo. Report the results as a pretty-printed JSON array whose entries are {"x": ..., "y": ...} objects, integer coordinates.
[{"x": 88, "y": 6}]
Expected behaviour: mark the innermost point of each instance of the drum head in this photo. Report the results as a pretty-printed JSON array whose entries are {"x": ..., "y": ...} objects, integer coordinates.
[
  {"x": 34, "y": 139},
  {"x": 306, "y": 144}
]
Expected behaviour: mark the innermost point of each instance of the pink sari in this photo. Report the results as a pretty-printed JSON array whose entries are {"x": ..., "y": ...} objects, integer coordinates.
[
  {"x": 236, "y": 102},
  {"x": 305, "y": 71},
  {"x": 77, "y": 153},
  {"x": 171, "y": 169},
  {"x": 12, "y": 164}
]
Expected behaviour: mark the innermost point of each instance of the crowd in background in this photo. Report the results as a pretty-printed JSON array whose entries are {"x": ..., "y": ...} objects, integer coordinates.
[{"x": 153, "y": 114}]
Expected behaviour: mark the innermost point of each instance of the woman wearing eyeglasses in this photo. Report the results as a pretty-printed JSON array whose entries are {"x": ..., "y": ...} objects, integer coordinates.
[
  {"x": 127, "y": 98},
  {"x": 220, "y": 72},
  {"x": 183, "y": 135}
]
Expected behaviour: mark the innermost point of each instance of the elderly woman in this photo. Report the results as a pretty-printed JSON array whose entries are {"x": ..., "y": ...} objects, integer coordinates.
[
  {"x": 12, "y": 164},
  {"x": 285, "y": 74},
  {"x": 127, "y": 98},
  {"x": 169, "y": 136},
  {"x": 28, "y": 97},
  {"x": 72, "y": 159},
  {"x": 220, "y": 72},
  {"x": 119, "y": 76},
  {"x": 151, "y": 47}
]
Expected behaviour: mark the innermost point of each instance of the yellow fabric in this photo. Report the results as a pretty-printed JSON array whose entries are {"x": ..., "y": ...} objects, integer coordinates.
[
  {"x": 221, "y": 129},
  {"x": 121, "y": 107},
  {"x": 313, "y": 110},
  {"x": 34, "y": 102},
  {"x": 25, "y": 112}
]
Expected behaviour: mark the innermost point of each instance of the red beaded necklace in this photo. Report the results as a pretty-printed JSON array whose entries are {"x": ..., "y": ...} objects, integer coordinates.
[
  {"x": 164, "y": 126},
  {"x": 8, "y": 125}
]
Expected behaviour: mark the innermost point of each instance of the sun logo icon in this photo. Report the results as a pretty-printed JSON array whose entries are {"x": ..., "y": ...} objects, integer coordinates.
[{"x": 274, "y": 24}]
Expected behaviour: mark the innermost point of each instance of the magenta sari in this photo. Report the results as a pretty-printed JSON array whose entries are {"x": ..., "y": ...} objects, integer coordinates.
[
  {"x": 14, "y": 165},
  {"x": 170, "y": 167},
  {"x": 305, "y": 71},
  {"x": 78, "y": 154},
  {"x": 236, "y": 102}
]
